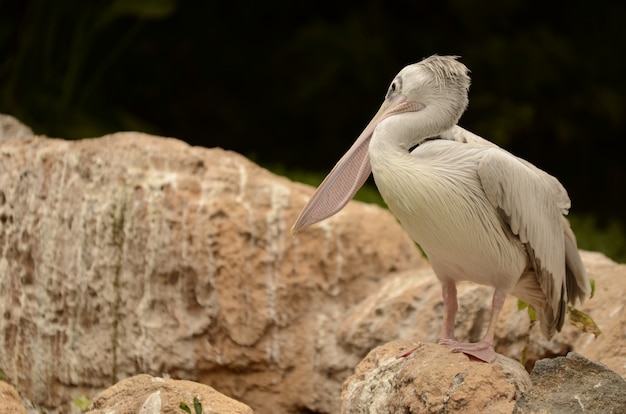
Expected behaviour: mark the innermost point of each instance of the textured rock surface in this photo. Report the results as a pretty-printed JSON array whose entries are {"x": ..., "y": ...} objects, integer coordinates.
[
  {"x": 432, "y": 380},
  {"x": 10, "y": 127},
  {"x": 152, "y": 395},
  {"x": 134, "y": 254},
  {"x": 408, "y": 305},
  {"x": 10, "y": 400},
  {"x": 573, "y": 384}
]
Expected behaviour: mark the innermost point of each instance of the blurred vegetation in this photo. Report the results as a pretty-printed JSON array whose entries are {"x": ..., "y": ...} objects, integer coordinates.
[{"x": 293, "y": 84}]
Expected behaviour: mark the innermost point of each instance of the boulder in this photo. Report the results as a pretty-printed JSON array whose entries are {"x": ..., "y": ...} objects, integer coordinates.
[
  {"x": 573, "y": 384},
  {"x": 145, "y": 394},
  {"x": 11, "y": 127},
  {"x": 132, "y": 254},
  {"x": 408, "y": 305},
  {"x": 432, "y": 379},
  {"x": 10, "y": 400}
]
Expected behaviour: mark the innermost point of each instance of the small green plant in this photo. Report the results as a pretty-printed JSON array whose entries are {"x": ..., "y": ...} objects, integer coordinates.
[
  {"x": 82, "y": 402},
  {"x": 197, "y": 406},
  {"x": 582, "y": 320}
]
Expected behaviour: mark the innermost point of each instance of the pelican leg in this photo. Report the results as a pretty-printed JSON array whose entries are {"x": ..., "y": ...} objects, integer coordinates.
[
  {"x": 482, "y": 350},
  {"x": 450, "y": 306}
]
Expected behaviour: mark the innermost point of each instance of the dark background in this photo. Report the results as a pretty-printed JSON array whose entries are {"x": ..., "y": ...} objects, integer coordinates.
[{"x": 292, "y": 84}]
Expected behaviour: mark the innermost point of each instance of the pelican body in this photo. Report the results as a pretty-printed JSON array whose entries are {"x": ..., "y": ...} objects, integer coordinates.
[{"x": 480, "y": 213}]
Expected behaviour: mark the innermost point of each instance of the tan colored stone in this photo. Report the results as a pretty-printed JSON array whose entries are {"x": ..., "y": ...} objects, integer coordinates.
[
  {"x": 135, "y": 254},
  {"x": 432, "y": 379},
  {"x": 10, "y": 402},
  {"x": 11, "y": 127},
  {"x": 153, "y": 395},
  {"x": 408, "y": 305}
]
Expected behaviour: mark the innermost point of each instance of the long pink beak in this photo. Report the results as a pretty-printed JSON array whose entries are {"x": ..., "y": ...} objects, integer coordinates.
[{"x": 351, "y": 172}]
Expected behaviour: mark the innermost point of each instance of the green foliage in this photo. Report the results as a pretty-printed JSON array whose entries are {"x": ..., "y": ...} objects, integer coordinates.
[
  {"x": 592, "y": 282},
  {"x": 53, "y": 78},
  {"x": 3, "y": 376},
  {"x": 142, "y": 9},
  {"x": 197, "y": 406},
  {"x": 608, "y": 237},
  {"x": 582, "y": 320},
  {"x": 521, "y": 305},
  {"x": 82, "y": 402}
]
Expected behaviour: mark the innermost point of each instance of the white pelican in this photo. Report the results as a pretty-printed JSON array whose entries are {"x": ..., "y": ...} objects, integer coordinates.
[{"x": 480, "y": 213}]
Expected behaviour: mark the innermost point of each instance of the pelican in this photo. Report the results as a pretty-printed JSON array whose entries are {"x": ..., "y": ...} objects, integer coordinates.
[{"x": 479, "y": 213}]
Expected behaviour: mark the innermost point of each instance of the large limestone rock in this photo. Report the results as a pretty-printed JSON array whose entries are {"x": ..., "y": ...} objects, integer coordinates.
[
  {"x": 134, "y": 254},
  {"x": 432, "y": 379},
  {"x": 153, "y": 395}
]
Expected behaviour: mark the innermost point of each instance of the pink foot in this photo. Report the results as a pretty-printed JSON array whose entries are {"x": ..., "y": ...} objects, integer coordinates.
[
  {"x": 480, "y": 350},
  {"x": 409, "y": 352}
]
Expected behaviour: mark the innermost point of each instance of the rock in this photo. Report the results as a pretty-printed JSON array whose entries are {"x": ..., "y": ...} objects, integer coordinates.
[
  {"x": 135, "y": 254},
  {"x": 432, "y": 379},
  {"x": 10, "y": 400},
  {"x": 153, "y": 395},
  {"x": 408, "y": 305},
  {"x": 608, "y": 309},
  {"x": 11, "y": 127},
  {"x": 573, "y": 384}
]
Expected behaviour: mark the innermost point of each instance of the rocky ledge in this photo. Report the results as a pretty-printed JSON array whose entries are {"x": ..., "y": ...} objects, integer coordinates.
[{"x": 132, "y": 254}]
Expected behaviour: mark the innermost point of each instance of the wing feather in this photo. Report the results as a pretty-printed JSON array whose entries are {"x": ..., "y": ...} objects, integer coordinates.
[{"x": 533, "y": 202}]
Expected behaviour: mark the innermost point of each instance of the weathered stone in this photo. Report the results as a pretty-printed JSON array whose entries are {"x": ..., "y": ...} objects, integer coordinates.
[
  {"x": 408, "y": 305},
  {"x": 432, "y": 379},
  {"x": 10, "y": 400},
  {"x": 573, "y": 384},
  {"x": 152, "y": 395},
  {"x": 11, "y": 127},
  {"x": 135, "y": 254}
]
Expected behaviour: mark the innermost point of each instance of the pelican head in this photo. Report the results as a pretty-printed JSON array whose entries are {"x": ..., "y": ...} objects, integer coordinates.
[{"x": 430, "y": 95}]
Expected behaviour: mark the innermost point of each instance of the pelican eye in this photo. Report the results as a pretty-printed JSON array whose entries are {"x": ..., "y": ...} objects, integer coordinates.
[
  {"x": 396, "y": 85},
  {"x": 392, "y": 89}
]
